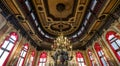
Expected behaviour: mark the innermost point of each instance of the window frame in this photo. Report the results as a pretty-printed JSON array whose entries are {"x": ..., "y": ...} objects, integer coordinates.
[
  {"x": 8, "y": 38},
  {"x": 32, "y": 55},
  {"x": 80, "y": 56},
  {"x": 98, "y": 48},
  {"x": 91, "y": 60},
  {"x": 43, "y": 57},
  {"x": 24, "y": 49},
  {"x": 117, "y": 37}
]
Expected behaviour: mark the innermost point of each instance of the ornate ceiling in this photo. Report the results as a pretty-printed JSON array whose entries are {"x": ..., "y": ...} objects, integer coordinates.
[{"x": 44, "y": 20}]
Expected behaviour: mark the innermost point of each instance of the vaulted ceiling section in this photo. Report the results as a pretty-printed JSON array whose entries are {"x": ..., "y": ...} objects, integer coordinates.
[{"x": 44, "y": 20}]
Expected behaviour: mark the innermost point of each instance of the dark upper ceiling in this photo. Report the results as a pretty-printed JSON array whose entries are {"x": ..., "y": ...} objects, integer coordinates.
[{"x": 44, "y": 20}]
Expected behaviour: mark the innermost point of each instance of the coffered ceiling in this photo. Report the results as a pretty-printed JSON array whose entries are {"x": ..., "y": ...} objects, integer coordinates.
[{"x": 44, "y": 20}]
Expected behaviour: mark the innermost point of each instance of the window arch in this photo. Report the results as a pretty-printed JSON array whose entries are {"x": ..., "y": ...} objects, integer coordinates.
[
  {"x": 6, "y": 47},
  {"x": 42, "y": 59},
  {"x": 91, "y": 57},
  {"x": 101, "y": 55},
  {"x": 114, "y": 42},
  {"x": 22, "y": 55},
  {"x": 31, "y": 60},
  {"x": 80, "y": 59}
]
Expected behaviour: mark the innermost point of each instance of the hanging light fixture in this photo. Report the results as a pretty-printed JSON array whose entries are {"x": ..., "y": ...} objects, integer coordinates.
[
  {"x": 61, "y": 42},
  {"x": 61, "y": 47}
]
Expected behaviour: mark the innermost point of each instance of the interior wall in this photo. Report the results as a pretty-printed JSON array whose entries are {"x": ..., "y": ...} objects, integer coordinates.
[{"x": 6, "y": 28}]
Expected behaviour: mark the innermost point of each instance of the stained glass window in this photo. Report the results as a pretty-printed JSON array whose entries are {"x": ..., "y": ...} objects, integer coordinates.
[
  {"x": 22, "y": 56},
  {"x": 80, "y": 59},
  {"x": 43, "y": 59},
  {"x": 114, "y": 42},
  {"x": 101, "y": 55},
  {"x": 7, "y": 47}
]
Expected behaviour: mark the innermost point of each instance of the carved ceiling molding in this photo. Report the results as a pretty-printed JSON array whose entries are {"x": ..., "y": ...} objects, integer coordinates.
[
  {"x": 50, "y": 17},
  {"x": 73, "y": 18}
]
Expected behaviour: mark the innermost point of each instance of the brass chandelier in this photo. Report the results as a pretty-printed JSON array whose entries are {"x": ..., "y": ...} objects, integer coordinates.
[{"x": 61, "y": 42}]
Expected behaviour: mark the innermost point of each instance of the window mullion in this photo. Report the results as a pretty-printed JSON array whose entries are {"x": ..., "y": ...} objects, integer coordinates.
[
  {"x": 21, "y": 55},
  {"x": 117, "y": 44},
  {"x": 6, "y": 46},
  {"x": 103, "y": 56},
  {"x": 23, "y": 52},
  {"x": 19, "y": 61},
  {"x": 42, "y": 62},
  {"x": 4, "y": 49},
  {"x": 11, "y": 40},
  {"x": 113, "y": 40}
]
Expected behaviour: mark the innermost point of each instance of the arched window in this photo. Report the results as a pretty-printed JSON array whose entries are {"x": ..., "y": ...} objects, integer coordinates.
[
  {"x": 101, "y": 55},
  {"x": 31, "y": 58},
  {"x": 22, "y": 55},
  {"x": 43, "y": 59},
  {"x": 7, "y": 47},
  {"x": 80, "y": 59},
  {"x": 91, "y": 57},
  {"x": 114, "y": 43}
]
